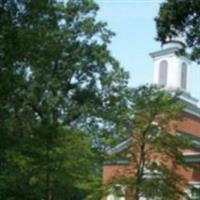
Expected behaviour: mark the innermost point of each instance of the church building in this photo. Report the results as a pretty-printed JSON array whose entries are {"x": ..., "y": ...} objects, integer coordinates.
[{"x": 172, "y": 71}]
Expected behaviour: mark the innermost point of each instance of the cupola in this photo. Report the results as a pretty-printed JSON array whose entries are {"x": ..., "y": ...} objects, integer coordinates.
[{"x": 172, "y": 70}]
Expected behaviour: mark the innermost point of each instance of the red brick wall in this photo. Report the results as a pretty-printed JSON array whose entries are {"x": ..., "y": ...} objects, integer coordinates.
[
  {"x": 112, "y": 171},
  {"x": 189, "y": 124}
]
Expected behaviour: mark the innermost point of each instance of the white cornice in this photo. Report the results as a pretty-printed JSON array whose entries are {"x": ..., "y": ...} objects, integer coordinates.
[
  {"x": 120, "y": 147},
  {"x": 192, "y": 158}
]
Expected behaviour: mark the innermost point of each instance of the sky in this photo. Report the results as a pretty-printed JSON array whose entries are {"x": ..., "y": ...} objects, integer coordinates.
[{"x": 134, "y": 25}]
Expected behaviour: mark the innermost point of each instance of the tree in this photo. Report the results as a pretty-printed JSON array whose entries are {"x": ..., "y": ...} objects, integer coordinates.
[
  {"x": 180, "y": 19},
  {"x": 155, "y": 150},
  {"x": 58, "y": 84}
]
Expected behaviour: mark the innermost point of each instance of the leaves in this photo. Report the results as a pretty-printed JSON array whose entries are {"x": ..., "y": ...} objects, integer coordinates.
[
  {"x": 155, "y": 150},
  {"x": 57, "y": 78},
  {"x": 180, "y": 19}
]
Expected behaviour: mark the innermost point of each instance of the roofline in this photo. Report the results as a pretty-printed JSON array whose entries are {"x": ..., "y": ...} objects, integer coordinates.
[
  {"x": 192, "y": 112},
  {"x": 126, "y": 144},
  {"x": 175, "y": 41},
  {"x": 171, "y": 50},
  {"x": 190, "y": 109},
  {"x": 191, "y": 105},
  {"x": 164, "y": 52},
  {"x": 120, "y": 147}
]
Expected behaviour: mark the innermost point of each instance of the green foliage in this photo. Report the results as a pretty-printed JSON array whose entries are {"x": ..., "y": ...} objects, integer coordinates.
[
  {"x": 58, "y": 85},
  {"x": 155, "y": 147},
  {"x": 180, "y": 18}
]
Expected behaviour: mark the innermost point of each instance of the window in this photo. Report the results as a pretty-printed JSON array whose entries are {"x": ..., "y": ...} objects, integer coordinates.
[
  {"x": 152, "y": 169},
  {"x": 183, "y": 76},
  {"x": 194, "y": 192},
  {"x": 163, "y": 67},
  {"x": 119, "y": 191},
  {"x": 113, "y": 197}
]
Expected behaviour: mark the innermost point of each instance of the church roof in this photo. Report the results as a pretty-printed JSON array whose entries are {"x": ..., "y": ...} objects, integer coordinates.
[{"x": 189, "y": 157}]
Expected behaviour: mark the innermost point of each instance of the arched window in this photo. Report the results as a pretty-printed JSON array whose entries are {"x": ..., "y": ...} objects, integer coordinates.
[
  {"x": 183, "y": 76},
  {"x": 163, "y": 67}
]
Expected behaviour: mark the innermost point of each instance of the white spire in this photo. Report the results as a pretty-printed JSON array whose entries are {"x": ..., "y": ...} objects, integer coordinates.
[{"x": 172, "y": 71}]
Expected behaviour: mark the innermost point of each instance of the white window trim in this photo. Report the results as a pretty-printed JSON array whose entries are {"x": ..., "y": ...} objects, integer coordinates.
[
  {"x": 195, "y": 184},
  {"x": 113, "y": 197}
]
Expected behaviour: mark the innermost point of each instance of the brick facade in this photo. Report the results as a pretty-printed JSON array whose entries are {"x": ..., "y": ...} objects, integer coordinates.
[{"x": 190, "y": 124}]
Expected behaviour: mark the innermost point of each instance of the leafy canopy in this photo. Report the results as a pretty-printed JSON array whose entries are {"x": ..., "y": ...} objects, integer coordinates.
[
  {"x": 58, "y": 85},
  {"x": 180, "y": 19},
  {"x": 155, "y": 149}
]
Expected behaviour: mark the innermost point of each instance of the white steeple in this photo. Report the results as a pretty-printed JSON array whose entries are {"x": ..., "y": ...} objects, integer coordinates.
[{"x": 172, "y": 70}]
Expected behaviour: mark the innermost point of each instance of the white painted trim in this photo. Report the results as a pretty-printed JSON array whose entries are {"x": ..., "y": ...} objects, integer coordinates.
[
  {"x": 194, "y": 183},
  {"x": 191, "y": 153},
  {"x": 192, "y": 112},
  {"x": 119, "y": 147}
]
